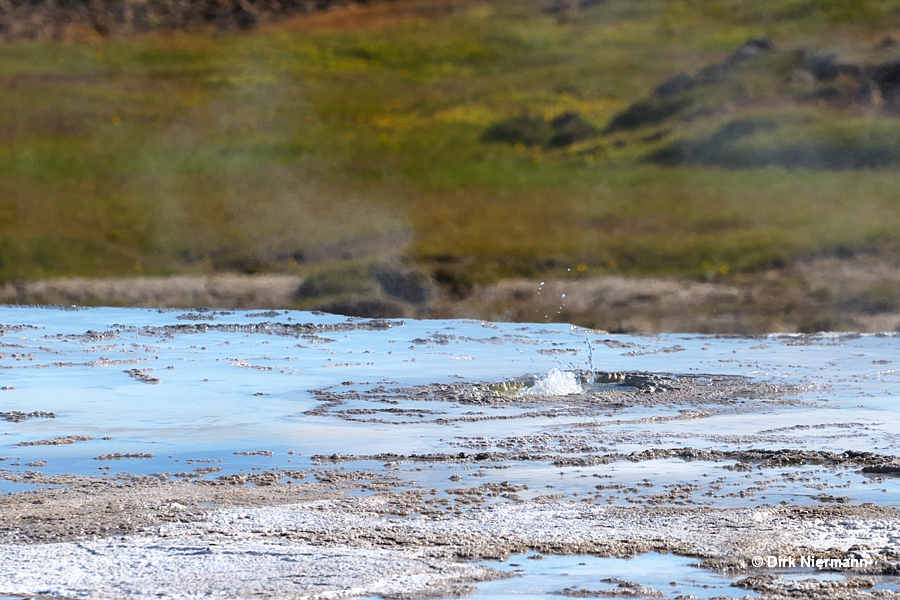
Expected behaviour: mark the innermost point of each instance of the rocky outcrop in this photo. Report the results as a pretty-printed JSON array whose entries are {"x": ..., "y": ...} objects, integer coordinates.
[
  {"x": 872, "y": 83},
  {"x": 534, "y": 130},
  {"x": 714, "y": 72},
  {"x": 668, "y": 98},
  {"x": 870, "y": 78},
  {"x": 767, "y": 106}
]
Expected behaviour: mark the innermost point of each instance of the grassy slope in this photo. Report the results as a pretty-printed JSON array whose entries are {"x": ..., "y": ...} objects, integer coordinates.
[{"x": 253, "y": 152}]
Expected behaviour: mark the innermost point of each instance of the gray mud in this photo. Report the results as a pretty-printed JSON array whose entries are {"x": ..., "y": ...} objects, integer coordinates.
[{"x": 131, "y": 538}]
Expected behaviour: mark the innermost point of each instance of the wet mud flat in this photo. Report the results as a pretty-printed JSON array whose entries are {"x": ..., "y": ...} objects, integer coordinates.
[
  {"x": 169, "y": 541},
  {"x": 300, "y": 455}
]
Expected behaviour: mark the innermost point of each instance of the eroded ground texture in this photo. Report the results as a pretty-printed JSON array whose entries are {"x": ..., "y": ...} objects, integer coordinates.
[{"x": 303, "y": 455}]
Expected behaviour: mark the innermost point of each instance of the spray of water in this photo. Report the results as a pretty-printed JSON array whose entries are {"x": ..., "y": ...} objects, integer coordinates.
[
  {"x": 554, "y": 383},
  {"x": 590, "y": 348}
]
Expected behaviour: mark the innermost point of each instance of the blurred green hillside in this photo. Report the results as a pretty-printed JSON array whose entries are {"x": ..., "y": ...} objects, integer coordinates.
[{"x": 500, "y": 139}]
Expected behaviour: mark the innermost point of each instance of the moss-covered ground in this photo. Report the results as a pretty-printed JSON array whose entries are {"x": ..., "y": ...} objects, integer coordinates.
[{"x": 351, "y": 140}]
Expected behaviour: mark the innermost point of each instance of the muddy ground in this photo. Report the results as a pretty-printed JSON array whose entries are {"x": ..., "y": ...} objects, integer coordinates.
[
  {"x": 859, "y": 293},
  {"x": 132, "y": 538}
]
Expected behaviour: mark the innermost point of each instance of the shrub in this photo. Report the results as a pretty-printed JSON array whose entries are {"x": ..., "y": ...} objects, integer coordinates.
[
  {"x": 530, "y": 130},
  {"x": 569, "y": 128}
]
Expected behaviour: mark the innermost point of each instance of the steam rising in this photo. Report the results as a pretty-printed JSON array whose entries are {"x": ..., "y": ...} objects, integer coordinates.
[{"x": 238, "y": 185}]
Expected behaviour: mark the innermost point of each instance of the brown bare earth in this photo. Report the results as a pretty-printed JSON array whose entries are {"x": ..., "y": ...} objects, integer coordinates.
[
  {"x": 84, "y": 19},
  {"x": 860, "y": 293},
  {"x": 352, "y": 16}
]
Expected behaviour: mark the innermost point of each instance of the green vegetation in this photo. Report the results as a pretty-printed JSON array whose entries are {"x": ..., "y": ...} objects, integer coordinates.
[{"x": 499, "y": 141}]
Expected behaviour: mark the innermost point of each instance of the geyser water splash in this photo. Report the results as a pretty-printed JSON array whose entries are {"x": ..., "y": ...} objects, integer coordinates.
[
  {"x": 590, "y": 357},
  {"x": 554, "y": 383}
]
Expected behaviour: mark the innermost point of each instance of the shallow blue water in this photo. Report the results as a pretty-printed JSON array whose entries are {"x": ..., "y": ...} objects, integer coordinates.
[
  {"x": 668, "y": 574},
  {"x": 224, "y": 393}
]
